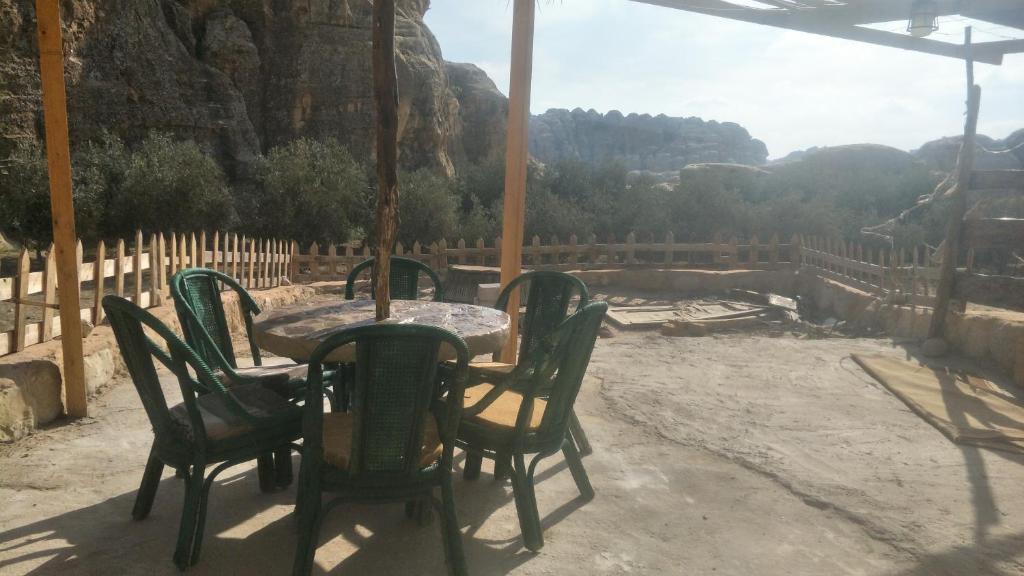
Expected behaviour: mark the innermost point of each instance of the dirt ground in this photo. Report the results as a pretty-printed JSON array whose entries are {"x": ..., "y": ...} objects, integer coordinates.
[{"x": 743, "y": 454}]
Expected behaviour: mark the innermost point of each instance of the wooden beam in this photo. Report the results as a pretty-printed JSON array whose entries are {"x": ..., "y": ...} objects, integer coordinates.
[
  {"x": 951, "y": 247},
  {"x": 994, "y": 232},
  {"x": 997, "y": 291},
  {"x": 58, "y": 158},
  {"x": 829, "y": 22},
  {"x": 516, "y": 156},
  {"x": 385, "y": 92}
]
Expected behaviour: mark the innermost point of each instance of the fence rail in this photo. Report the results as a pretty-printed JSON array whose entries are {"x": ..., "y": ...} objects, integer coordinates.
[
  {"x": 316, "y": 263},
  {"x": 28, "y": 300},
  {"x": 908, "y": 276}
]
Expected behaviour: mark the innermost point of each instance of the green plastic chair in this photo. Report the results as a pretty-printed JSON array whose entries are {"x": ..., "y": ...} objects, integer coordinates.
[
  {"x": 404, "y": 281},
  {"x": 513, "y": 419},
  {"x": 396, "y": 443},
  {"x": 200, "y": 308},
  {"x": 213, "y": 425},
  {"x": 548, "y": 301}
]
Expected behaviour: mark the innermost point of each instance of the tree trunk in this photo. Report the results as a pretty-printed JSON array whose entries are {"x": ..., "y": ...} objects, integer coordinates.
[{"x": 385, "y": 91}]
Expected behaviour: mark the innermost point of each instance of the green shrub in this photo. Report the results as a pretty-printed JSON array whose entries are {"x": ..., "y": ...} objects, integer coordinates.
[
  {"x": 25, "y": 198},
  {"x": 310, "y": 191},
  {"x": 428, "y": 208}
]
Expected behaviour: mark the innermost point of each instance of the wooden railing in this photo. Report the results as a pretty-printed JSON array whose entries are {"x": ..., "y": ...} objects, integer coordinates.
[
  {"x": 906, "y": 276},
  {"x": 28, "y": 299},
  {"x": 334, "y": 262}
]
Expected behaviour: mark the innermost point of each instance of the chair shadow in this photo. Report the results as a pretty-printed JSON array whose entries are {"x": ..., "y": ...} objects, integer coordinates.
[{"x": 248, "y": 532}]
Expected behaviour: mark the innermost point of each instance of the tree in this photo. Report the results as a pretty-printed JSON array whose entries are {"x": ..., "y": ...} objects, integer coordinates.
[
  {"x": 309, "y": 191},
  {"x": 427, "y": 208}
]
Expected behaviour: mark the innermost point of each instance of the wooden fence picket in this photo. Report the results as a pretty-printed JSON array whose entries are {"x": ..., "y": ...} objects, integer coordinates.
[
  {"x": 21, "y": 283},
  {"x": 50, "y": 292}
]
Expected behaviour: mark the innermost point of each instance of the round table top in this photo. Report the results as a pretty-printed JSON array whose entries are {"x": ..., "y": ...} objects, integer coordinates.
[{"x": 295, "y": 331}]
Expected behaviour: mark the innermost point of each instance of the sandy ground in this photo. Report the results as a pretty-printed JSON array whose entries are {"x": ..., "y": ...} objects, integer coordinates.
[{"x": 736, "y": 454}]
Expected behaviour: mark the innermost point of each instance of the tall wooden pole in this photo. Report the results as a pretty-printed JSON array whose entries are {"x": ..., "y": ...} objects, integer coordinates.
[
  {"x": 516, "y": 155},
  {"x": 964, "y": 168},
  {"x": 385, "y": 92},
  {"x": 58, "y": 157}
]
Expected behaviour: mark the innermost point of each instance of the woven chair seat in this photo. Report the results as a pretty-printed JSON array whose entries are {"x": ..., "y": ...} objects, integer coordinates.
[
  {"x": 281, "y": 379},
  {"x": 503, "y": 411},
  {"x": 338, "y": 440},
  {"x": 221, "y": 422}
]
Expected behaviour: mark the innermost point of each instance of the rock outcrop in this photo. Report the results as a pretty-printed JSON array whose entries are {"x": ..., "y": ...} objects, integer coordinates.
[
  {"x": 641, "y": 141},
  {"x": 237, "y": 76},
  {"x": 991, "y": 154},
  {"x": 483, "y": 113}
]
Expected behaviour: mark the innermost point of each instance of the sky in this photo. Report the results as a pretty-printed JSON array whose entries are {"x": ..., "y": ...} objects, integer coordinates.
[{"x": 790, "y": 89}]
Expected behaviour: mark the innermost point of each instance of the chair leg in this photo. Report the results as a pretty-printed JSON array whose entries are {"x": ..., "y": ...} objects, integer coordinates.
[
  {"x": 265, "y": 471},
  {"x": 471, "y": 469},
  {"x": 579, "y": 474},
  {"x": 283, "y": 475},
  {"x": 309, "y": 527},
  {"x": 578, "y": 435},
  {"x": 526, "y": 504},
  {"x": 189, "y": 514},
  {"x": 147, "y": 489},
  {"x": 204, "y": 498},
  {"x": 502, "y": 466},
  {"x": 454, "y": 554}
]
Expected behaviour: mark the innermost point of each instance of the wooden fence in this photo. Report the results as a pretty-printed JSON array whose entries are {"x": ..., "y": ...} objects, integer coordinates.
[
  {"x": 317, "y": 264},
  {"x": 28, "y": 300},
  {"x": 908, "y": 276}
]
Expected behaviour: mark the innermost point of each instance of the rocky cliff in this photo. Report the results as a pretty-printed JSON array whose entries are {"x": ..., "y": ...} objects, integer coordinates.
[
  {"x": 238, "y": 76},
  {"x": 641, "y": 141},
  {"x": 991, "y": 154}
]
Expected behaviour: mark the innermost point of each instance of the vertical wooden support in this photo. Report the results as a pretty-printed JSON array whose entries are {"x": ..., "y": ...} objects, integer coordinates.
[
  {"x": 734, "y": 252},
  {"x": 442, "y": 254},
  {"x": 266, "y": 264},
  {"x": 610, "y": 250},
  {"x": 385, "y": 91},
  {"x": 236, "y": 255},
  {"x": 293, "y": 263},
  {"x": 154, "y": 272},
  {"x": 314, "y": 261},
  {"x": 215, "y": 265},
  {"x": 98, "y": 284},
  {"x": 193, "y": 261},
  {"x": 754, "y": 256},
  {"x": 58, "y": 158},
  {"x": 535, "y": 255},
  {"x": 630, "y": 248},
  {"x": 202, "y": 249},
  {"x": 137, "y": 267},
  {"x": 517, "y": 138},
  {"x": 773, "y": 251},
  {"x": 174, "y": 254},
  {"x": 573, "y": 254},
  {"x": 50, "y": 293},
  {"x": 119, "y": 269},
  {"x": 21, "y": 277},
  {"x": 161, "y": 266},
  {"x": 965, "y": 165},
  {"x": 251, "y": 282}
]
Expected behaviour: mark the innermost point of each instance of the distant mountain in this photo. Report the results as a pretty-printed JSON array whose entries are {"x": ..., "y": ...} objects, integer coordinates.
[{"x": 640, "y": 141}]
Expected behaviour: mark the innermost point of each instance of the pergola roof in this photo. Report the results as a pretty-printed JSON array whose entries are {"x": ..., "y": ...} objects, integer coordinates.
[{"x": 851, "y": 19}]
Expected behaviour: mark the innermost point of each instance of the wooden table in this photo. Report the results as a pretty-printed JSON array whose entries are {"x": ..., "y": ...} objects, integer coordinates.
[{"x": 295, "y": 331}]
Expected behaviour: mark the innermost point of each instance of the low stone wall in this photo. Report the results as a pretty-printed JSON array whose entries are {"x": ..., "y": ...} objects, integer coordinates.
[
  {"x": 31, "y": 384},
  {"x": 991, "y": 336},
  {"x": 692, "y": 281}
]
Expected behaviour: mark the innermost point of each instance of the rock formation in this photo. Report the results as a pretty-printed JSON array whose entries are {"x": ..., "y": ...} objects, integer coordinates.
[
  {"x": 992, "y": 154},
  {"x": 641, "y": 141},
  {"x": 483, "y": 113},
  {"x": 237, "y": 76}
]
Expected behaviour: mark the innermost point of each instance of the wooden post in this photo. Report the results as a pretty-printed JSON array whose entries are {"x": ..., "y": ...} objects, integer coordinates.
[
  {"x": 98, "y": 269},
  {"x": 21, "y": 278},
  {"x": 734, "y": 252},
  {"x": 50, "y": 293},
  {"x": 251, "y": 282},
  {"x": 964, "y": 168},
  {"x": 630, "y": 248},
  {"x": 754, "y": 255},
  {"x": 216, "y": 251},
  {"x": 202, "y": 250},
  {"x": 573, "y": 256},
  {"x": 442, "y": 254},
  {"x": 154, "y": 272},
  {"x": 517, "y": 139},
  {"x": 670, "y": 250},
  {"x": 137, "y": 267},
  {"x": 535, "y": 256},
  {"x": 236, "y": 255},
  {"x": 119, "y": 269},
  {"x": 161, "y": 264},
  {"x": 293, "y": 264},
  {"x": 62, "y": 209},
  {"x": 385, "y": 92}
]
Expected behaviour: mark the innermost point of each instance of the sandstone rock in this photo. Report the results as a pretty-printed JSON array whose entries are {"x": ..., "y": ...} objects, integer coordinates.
[
  {"x": 30, "y": 395},
  {"x": 935, "y": 347},
  {"x": 483, "y": 113},
  {"x": 642, "y": 142}
]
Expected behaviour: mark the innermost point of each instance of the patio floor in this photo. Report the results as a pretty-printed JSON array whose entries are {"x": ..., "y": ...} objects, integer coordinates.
[{"x": 742, "y": 454}]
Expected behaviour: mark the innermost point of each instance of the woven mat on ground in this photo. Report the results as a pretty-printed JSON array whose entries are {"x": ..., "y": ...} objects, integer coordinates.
[{"x": 967, "y": 409}]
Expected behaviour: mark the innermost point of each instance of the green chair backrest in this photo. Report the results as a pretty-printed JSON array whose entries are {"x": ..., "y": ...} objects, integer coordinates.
[
  {"x": 560, "y": 372},
  {"x": 138, "y": 350},
  {"x": 404, "y": 280},
  {"x": 395, "y": 389},
  {"x": 547, "y": 303},
  {"x": 197, "y": 300}
]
